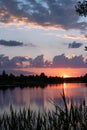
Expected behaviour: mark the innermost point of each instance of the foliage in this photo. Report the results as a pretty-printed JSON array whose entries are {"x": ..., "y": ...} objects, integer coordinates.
[{"x": 81, "y": 8}]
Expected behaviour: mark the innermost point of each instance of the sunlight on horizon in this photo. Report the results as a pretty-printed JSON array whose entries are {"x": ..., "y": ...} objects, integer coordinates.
[
  {"x": 66, "y": 76},
  {"x": 61, "y": 72}
]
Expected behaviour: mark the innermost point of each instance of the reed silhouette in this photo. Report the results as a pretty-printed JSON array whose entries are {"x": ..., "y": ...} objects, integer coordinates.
[{"x": 66, "y": 118}]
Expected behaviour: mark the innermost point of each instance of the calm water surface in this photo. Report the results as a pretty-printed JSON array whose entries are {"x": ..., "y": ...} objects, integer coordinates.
[{"x": 37, "y": 98}]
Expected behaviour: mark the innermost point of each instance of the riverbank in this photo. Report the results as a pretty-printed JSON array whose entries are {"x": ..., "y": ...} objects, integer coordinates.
[{"x": 11, "y": 81}]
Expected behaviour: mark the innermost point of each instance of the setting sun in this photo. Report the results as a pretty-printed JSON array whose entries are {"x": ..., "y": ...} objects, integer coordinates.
[{"x": 66, "y": 76}]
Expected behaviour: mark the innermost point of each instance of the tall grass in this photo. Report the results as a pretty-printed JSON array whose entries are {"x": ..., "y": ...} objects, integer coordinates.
[{"x": 67, "y": 118}]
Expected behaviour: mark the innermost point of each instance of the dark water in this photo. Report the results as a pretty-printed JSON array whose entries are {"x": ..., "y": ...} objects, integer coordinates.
[{"x": 37, "y": 98}]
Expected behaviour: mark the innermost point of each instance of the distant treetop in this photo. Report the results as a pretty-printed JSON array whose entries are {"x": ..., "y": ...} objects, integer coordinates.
[{"x": 81, "y": 8}]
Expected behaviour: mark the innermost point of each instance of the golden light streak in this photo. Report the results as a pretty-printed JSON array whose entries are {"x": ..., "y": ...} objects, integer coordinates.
[
  {"x": 73, "y": 37},
  {"x": 17, "y": 21},
  {"x": 64, "y": 86}
]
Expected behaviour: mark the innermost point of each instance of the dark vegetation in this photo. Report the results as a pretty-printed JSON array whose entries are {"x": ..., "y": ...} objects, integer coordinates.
[
  {"x": 11, "y": 81},
  {"x": 67, "y": 118},
  {"x": 81, "y": 9}
]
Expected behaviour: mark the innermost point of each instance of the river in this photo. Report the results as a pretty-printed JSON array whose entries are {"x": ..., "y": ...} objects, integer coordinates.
[{"x": 41, "y": 99}]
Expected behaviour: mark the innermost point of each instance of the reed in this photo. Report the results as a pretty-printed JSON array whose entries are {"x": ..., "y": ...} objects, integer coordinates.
[{"x": 67, "y": 118}]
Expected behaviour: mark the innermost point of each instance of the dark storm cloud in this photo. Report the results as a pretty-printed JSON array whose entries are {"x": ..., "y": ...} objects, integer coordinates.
[
  {"x": 74, "y": 45},
  {"x": 38, "y": 61},
  {"x": 15, "y": 43},
  {"x": 15, "y": 62},
  {"x": 10, "y": 43},
  {"x": 74, "y": 62},
  {"x": 59, "y": 61},
  {"x": 49, "y": 13}
]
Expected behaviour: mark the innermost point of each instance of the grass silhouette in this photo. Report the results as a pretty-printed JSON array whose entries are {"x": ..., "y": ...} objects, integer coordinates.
[{"x": 66, "y": 118}]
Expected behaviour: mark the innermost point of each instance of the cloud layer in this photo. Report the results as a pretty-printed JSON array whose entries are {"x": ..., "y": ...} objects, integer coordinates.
[
  {"x": 39, "y": 61},
  {"x": 46, "y": 13},
  {"x": 75, "y": 45},
  {"x": 14, "y": 43},
  {"x": 10, "y": 43}
]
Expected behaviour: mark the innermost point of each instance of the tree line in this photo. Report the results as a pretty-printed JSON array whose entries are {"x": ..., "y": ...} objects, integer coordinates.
[{"x": 11, "y": 81}]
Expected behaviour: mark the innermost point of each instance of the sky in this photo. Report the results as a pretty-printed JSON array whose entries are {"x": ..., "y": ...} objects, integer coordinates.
[{"x": 42, "y": 36}]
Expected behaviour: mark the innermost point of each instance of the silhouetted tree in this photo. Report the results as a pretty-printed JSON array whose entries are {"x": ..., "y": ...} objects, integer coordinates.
[
  {"x": 42, "y": 75},
  {"x": 81, "y": 9},
  {"x": 85, "y": 48},
  {"x": 3, "y": 73}
]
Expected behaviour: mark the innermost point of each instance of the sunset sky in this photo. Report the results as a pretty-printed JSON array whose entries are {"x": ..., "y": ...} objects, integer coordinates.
[{"x": 42, "y": 36}]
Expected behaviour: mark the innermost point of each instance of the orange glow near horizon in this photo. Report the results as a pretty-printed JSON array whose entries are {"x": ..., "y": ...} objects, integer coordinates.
[{"x": 61, "y": 72}]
